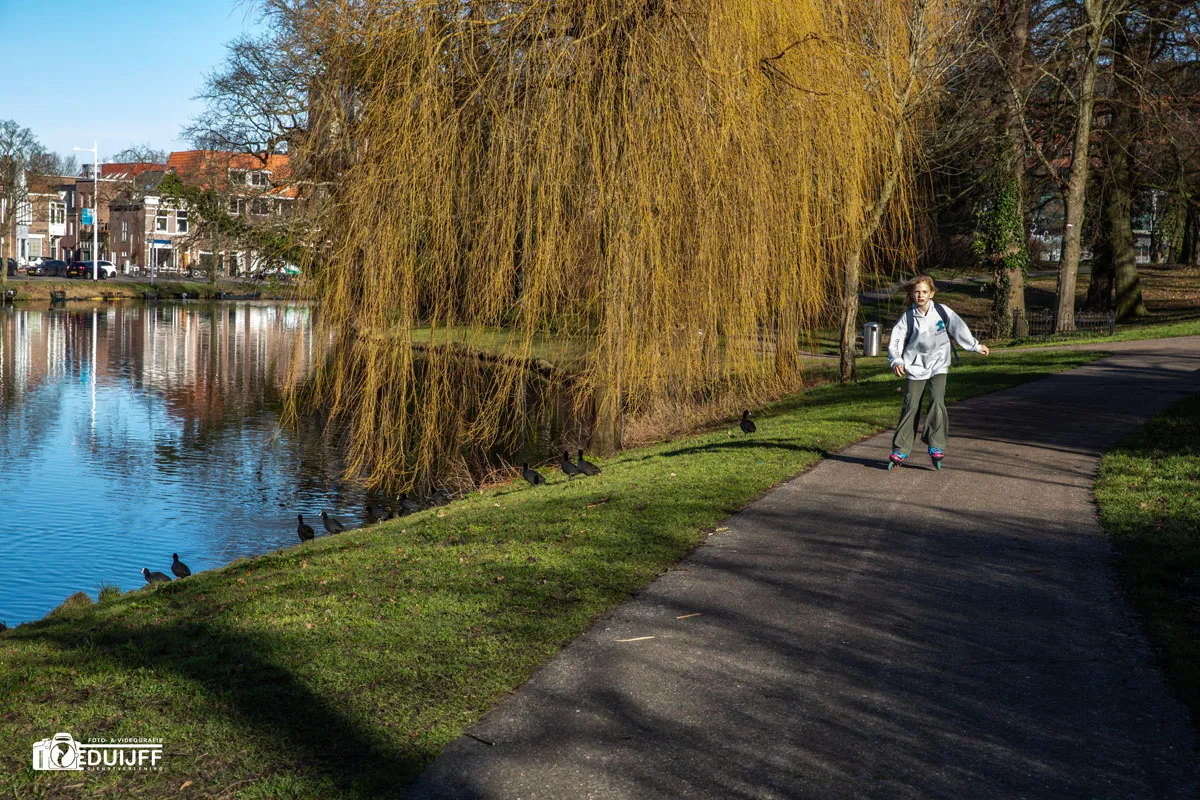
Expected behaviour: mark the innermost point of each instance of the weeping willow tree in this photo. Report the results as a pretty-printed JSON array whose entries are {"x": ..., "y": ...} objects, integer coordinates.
[{"x": 665, "y": 193}]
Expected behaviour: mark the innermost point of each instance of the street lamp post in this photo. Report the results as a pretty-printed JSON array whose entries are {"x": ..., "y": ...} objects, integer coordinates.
[{"x": 95, "y": 151}]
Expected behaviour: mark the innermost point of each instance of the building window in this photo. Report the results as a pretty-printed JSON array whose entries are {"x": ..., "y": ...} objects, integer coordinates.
[
  {"x": 258, "y": 179},
  {"x": 124, "y": 231},
  {"x": 237, "y": 176},
  {"x": 260, "y": 207},
  {"x": 58, "y": 213},
  {"x": 235, "y": 205},
  {"x": 181, "y": 221},
  {"x": 160, "y": 223}
]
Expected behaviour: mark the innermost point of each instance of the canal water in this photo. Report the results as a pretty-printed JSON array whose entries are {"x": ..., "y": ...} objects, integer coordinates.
[{"x": 129, "y": 432}]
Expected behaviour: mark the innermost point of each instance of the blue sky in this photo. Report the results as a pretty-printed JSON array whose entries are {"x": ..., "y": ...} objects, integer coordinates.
[{"x": 122, "y": 72}]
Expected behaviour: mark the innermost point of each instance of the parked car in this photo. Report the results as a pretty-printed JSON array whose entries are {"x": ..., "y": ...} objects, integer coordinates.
[
  {"x": 50, "y": 266},
  {"x": 12, "y": 266},
  {"x": 280, "y": 272},
  {"x": 107, "y": 269}
]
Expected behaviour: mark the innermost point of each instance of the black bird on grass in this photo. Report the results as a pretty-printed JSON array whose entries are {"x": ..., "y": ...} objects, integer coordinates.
[
  {"x": 587, "y": 467},
  {"x": 532, "y": 475},
  {"x": 331, "y": 524},
  {"x": 439, "y": 498},
  {"x": 568, "y": 466},
  {"x": 408, "y": 506},
  {"x": 304, "y": 531},
  {"x": 179, "y": 568},
  {"x": 155, "y": 577},
  {"x": 748, "y": 425}
]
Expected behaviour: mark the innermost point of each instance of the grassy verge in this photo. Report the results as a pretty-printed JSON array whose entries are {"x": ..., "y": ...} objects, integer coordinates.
[
  {"x": 1149, "y": 497},
  {"x": 340, "y": 667},
  {"x": 39, "y": 290}
]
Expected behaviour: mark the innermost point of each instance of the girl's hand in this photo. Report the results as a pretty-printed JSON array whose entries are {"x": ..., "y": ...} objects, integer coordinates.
[
  {"x": 983, "y": 350},
  {"x": 899, "y": 370}
]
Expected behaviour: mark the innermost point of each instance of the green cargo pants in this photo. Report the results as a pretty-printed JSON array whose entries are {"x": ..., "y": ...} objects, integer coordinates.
[{"x": 937, "y": 423}]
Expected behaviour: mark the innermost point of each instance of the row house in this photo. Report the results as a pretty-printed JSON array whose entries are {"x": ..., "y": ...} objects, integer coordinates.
[
  {"x": 141, "y": 231},
  {"x": 117, "y": 180},
  {"x": 254, "y": 187},
  {"x": 41, "y": 217},
  {"x": 147, "y": 232}
]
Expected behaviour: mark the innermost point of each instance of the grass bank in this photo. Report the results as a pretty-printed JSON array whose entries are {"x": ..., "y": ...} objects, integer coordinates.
[
  {"x": 1148, "y": 491},
  {"x": 340, "y": 667},
  {"x": 30, "y": 290}
]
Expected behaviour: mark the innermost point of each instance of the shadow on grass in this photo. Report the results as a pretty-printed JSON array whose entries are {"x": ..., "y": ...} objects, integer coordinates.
[
  {"x": 237, "y": 670},
  {"x": 737, "y": 444}
]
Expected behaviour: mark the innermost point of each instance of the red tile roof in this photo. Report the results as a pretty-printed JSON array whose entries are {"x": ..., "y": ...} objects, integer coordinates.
[
  {"x": 198, "y": 163},
  {"x": 127, "y": 169}
]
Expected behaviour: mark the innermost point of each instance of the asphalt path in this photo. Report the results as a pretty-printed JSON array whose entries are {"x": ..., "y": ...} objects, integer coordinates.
[{"x": 864, "y": 633}]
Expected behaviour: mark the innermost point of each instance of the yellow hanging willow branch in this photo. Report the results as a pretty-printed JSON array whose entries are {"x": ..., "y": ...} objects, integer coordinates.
[{"x": 653, "y": 195}]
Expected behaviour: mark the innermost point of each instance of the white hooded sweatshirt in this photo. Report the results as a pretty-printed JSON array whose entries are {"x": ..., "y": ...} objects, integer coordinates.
[{"x": 929, "y": 352}]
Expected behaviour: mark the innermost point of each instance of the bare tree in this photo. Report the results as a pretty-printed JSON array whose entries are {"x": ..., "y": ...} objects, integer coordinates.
[
  {"x": 144, "y": 153},
  {"x": 258, "y": 101},
  {"x": 1093, "y": 21},
  {"x": 18, "y": 147}
]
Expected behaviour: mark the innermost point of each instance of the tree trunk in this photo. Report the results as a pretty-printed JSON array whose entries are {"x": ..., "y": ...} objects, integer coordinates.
[
  {"x": 1123, "y": 134},
  {"x": 1099, "y": 296},
  {"x": 850, "y": 285},
  {"x": 1128, "y": 286},
  {"x": 1009, "y": 274},
  {"x": 1189, "y": 251},
  {"x": 1076, "y": 195}
]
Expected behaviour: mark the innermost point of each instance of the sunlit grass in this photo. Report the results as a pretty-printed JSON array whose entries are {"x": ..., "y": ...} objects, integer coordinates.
[{"x": 1149, "y": 497}]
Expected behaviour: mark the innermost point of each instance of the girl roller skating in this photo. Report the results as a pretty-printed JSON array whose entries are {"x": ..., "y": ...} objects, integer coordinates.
[{"x": 921, "y": 349}]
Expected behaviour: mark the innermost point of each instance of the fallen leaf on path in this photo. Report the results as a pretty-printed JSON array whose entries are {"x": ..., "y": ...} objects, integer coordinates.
[
  {"x": 185, "y": 785},
  {"x": 636, "y": 639}
]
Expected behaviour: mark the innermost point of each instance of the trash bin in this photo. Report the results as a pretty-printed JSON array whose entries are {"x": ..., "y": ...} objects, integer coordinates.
[{"x": 872, "y": 333}]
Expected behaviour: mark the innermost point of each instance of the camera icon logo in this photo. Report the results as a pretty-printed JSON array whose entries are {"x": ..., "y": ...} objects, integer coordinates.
[{"x": 58, "y": 753}]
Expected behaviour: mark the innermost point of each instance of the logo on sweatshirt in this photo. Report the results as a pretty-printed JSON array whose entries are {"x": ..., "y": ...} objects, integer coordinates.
[{"x": 941, "y": 326}]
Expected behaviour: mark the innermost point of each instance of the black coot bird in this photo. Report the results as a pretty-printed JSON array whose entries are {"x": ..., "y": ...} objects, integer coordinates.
[
  {"x": 568, "y": 466},
  {"x": 408, "y": 506},
  {"x": 331, "y": 524},
  {"x": 439, "y": 498},
  {"x": 303, "y": 530},
  {"x": 748, "y": 425},
  {"x": 179, "y": 568},
  {"x": 155, "y": 577},
  {"x": 532, "y": 475},
  {"x": 587, "y": 467}
]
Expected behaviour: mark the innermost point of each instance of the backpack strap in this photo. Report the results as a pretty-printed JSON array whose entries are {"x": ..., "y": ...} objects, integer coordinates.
[
  {"x": 946, "y": 321},
  {"x": 911, "y": 316}
]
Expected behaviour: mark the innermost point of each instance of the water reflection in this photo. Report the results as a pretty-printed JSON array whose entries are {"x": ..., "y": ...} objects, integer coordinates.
[{"x": 129, "y": 432}]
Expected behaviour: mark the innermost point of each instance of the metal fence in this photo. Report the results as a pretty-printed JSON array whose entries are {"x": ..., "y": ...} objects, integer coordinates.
[{"x": 1039, "y": 323}]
